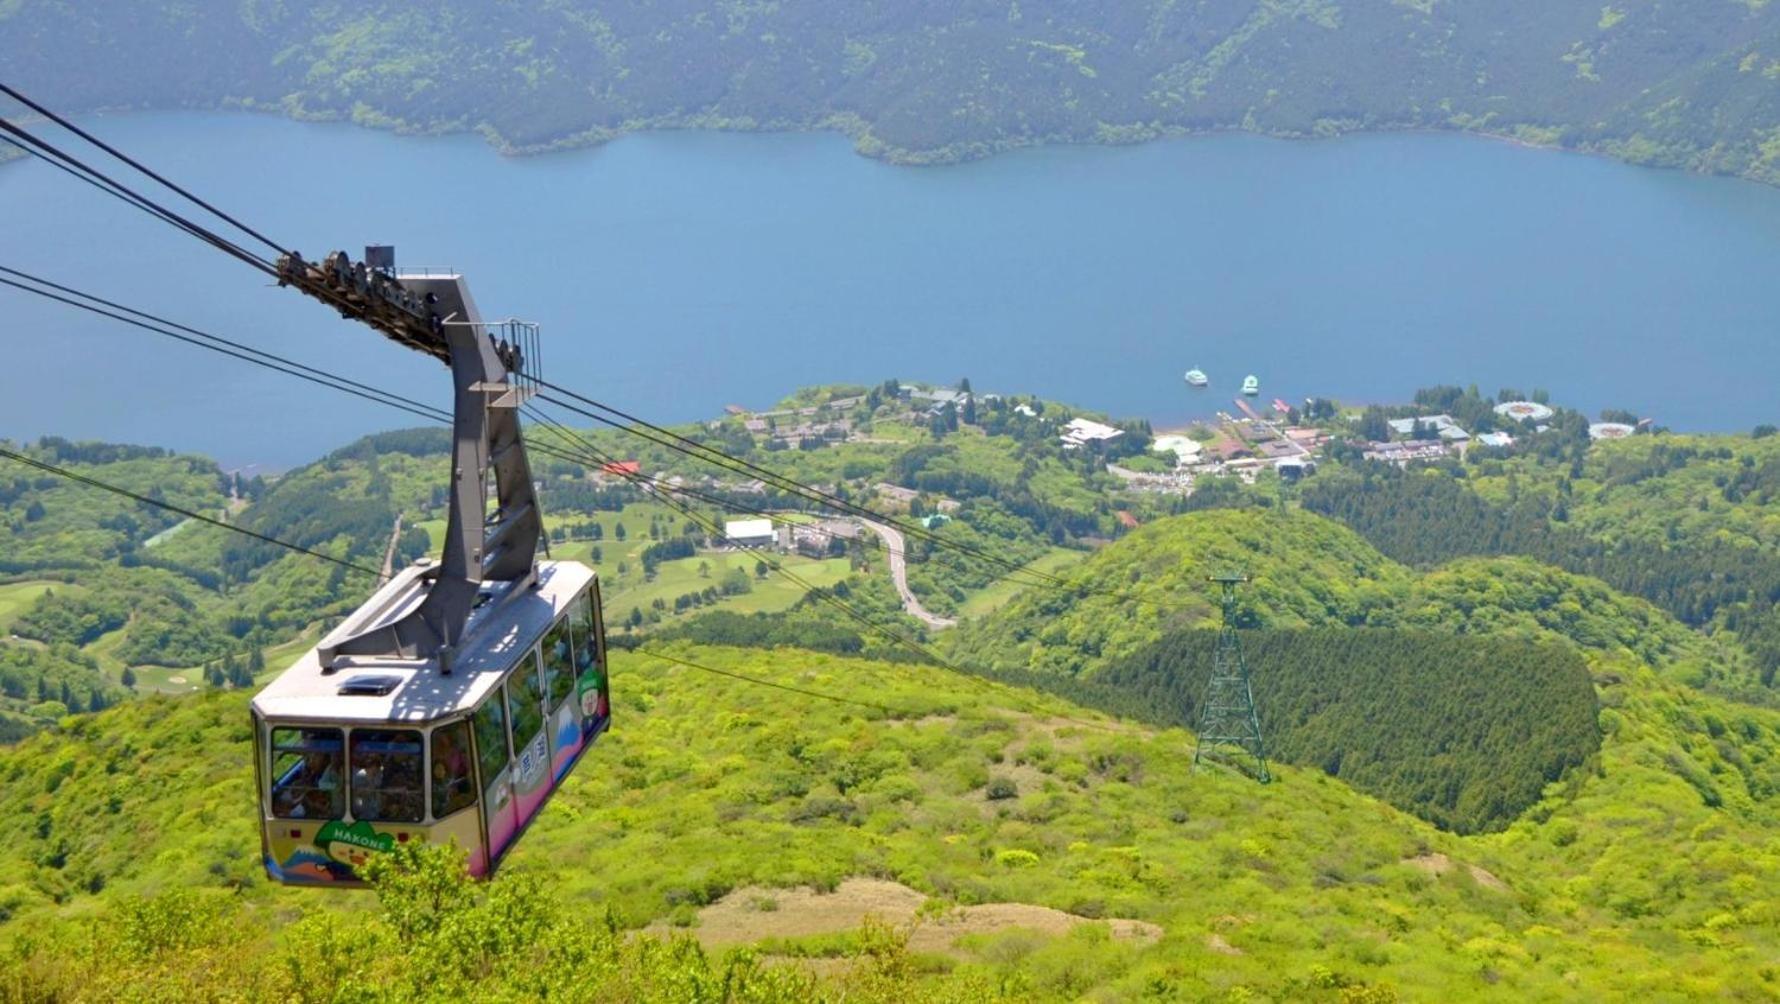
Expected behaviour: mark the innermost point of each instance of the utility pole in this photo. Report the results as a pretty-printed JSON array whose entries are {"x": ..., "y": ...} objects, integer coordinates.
[{"x": 1228, "y": 724}]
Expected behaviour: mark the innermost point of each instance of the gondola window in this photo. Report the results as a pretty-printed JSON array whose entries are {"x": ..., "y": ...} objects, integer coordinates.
[
  {"x": 386, "y": 776},
  {"x": 307, "y": 773},
  {"x": 453, "y": 788}
]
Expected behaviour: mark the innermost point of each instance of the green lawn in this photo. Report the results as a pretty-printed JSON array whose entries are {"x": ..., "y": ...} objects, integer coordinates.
[
  {"x": 627, "y": 589},
  {"x": 167, "y": 534},
  {"x": 17, "y": 597},
  {"x": 435, "y": 531},
  {"x": 676, "y": 578},
  {"x": 996, "y": 594}
]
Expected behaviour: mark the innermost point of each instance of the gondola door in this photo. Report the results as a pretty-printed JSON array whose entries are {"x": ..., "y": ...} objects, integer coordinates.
[
  {"x": 494, "y": 761},
  {"x": 532, "y": 781}
]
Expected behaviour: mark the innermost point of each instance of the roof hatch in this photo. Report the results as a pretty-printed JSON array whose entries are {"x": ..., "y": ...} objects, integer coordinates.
[{"x": 369, "y": 686}]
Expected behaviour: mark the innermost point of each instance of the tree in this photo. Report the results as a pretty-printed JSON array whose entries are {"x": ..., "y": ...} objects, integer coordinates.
[
  {"x": 597, "y": 554},
  {"x": 704, "y": 569},
  {"x": 34, "y": 511},
  {"x": 619, "y": 532},
  {"x": 598, "y": 532},
  {"x": 760, "y": 569},
  {"x": 128, "y": 678},
  {"x": 1764, "y": 431},
  {"x": 1373, "y": 425}
]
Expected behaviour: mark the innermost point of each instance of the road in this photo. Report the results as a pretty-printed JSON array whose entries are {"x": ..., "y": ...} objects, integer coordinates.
[
  {"x": 899, "y": 574},
  {"x": 389, "y": 553}
]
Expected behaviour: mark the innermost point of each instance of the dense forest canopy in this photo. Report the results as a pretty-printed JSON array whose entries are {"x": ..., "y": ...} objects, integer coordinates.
[
  {"x": 1690, "y": 85},
  {"x": 1463, "y": 731}
]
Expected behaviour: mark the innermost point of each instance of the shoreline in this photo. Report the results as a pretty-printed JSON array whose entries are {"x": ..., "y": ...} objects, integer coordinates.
[{"x": 865, "y": 144}]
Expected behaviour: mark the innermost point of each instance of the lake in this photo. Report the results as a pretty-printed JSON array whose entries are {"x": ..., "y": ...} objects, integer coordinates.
[{"x": 675, "y": 273}]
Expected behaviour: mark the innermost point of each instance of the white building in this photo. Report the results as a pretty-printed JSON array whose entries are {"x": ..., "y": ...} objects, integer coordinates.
[
  {"x": 1498, "y": 439},
  {"x": 1443, "y": 425},
  {"x": 1524, "y": 411},
  {"x": 1081, "y": 431},
  {"x": 1185, "y": 449},
  {"x": 750, "y": 532}
]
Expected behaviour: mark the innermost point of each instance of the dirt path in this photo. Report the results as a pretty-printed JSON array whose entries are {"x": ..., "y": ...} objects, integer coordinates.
[
  {"x": 899, "y": 574},
  {"x": 751, "y": 914}
]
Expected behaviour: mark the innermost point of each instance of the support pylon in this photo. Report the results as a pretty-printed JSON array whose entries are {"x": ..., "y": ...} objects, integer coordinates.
[{"x": 1228, "y": 725}]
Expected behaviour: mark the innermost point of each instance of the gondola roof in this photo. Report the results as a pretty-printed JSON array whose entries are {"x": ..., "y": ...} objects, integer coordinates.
[{"x": 359, "y": 689}]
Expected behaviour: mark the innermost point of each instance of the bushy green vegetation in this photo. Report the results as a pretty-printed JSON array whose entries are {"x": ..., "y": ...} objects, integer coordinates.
[
  {"x": 1463, "y": 731},
  {"x": 1647, "y": 875},
  {"x": 1650, "y": 84},
  {"x": 1308, "y": 572}
]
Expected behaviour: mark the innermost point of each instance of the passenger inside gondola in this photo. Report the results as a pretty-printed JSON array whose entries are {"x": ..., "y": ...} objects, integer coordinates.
[
  {"x": 306, "y": 774},
  {"x": 386, "y": 776},
  {"x": 453, "y": 788}
]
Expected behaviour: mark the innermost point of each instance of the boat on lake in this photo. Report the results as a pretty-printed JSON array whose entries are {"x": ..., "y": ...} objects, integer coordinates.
[
  {"x": 1251, "y": 385},
  {"x": 1196, "y": 378}
]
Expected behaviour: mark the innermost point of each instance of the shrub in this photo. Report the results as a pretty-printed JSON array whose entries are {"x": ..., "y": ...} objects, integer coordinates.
[
  {"x": 1013, "y": 857},
  {"x": 1002, "y": 788}
]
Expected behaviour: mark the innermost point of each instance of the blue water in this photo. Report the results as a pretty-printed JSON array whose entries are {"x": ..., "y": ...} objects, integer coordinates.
[{"x": 675, "y": 273}]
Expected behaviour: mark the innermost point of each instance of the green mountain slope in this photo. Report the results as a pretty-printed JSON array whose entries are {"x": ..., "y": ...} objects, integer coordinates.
[
  {"x": 1652, "y": 876},
  {"x": 1655, "y": 521},
  {"x": 1308, "y": 572},
  {"x": 1680, "y": 85}
]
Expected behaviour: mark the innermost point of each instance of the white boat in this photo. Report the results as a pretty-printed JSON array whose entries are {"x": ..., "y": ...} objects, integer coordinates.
[
  {"x": 1197, "y": 378},
  {"x": 1251, "y": 385}
]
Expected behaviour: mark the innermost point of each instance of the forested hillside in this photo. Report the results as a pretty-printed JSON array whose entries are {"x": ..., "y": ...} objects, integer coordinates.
[
  {"x": 1690, "y": 85},
  {"x": 1465, "y": 732},
  {"x": 1683, "y": 553},
  {"x": 102, "y": 597}
]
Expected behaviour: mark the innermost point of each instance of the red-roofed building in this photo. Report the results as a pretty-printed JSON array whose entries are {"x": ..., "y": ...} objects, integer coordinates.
[
  {"x": 622, "y": 468},
  {"x": 1127, "y": 520}
]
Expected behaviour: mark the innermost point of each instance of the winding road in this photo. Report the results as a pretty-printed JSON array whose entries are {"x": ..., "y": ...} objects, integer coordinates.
[{"x": 899, "y": 574}]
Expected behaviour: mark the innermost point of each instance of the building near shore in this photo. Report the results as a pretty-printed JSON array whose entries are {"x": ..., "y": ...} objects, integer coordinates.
[
  {"x": 1441, "y": 425},
  {"x": 1294, "y": 468},
  {"x": 1185, "y": 448},
  {"x": 1401, "y": 453},
  {"x": 1610, "y": 430},
  {"x": 1082, "y": 431},
  {"x": 1523, "y": 411}
]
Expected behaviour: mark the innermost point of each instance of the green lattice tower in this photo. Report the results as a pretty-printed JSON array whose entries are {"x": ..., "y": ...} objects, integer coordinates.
[{"x": 1228, "y": 725}]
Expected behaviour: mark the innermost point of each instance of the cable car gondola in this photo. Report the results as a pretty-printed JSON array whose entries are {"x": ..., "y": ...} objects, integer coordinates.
[{"x": 453, "y": 703}]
